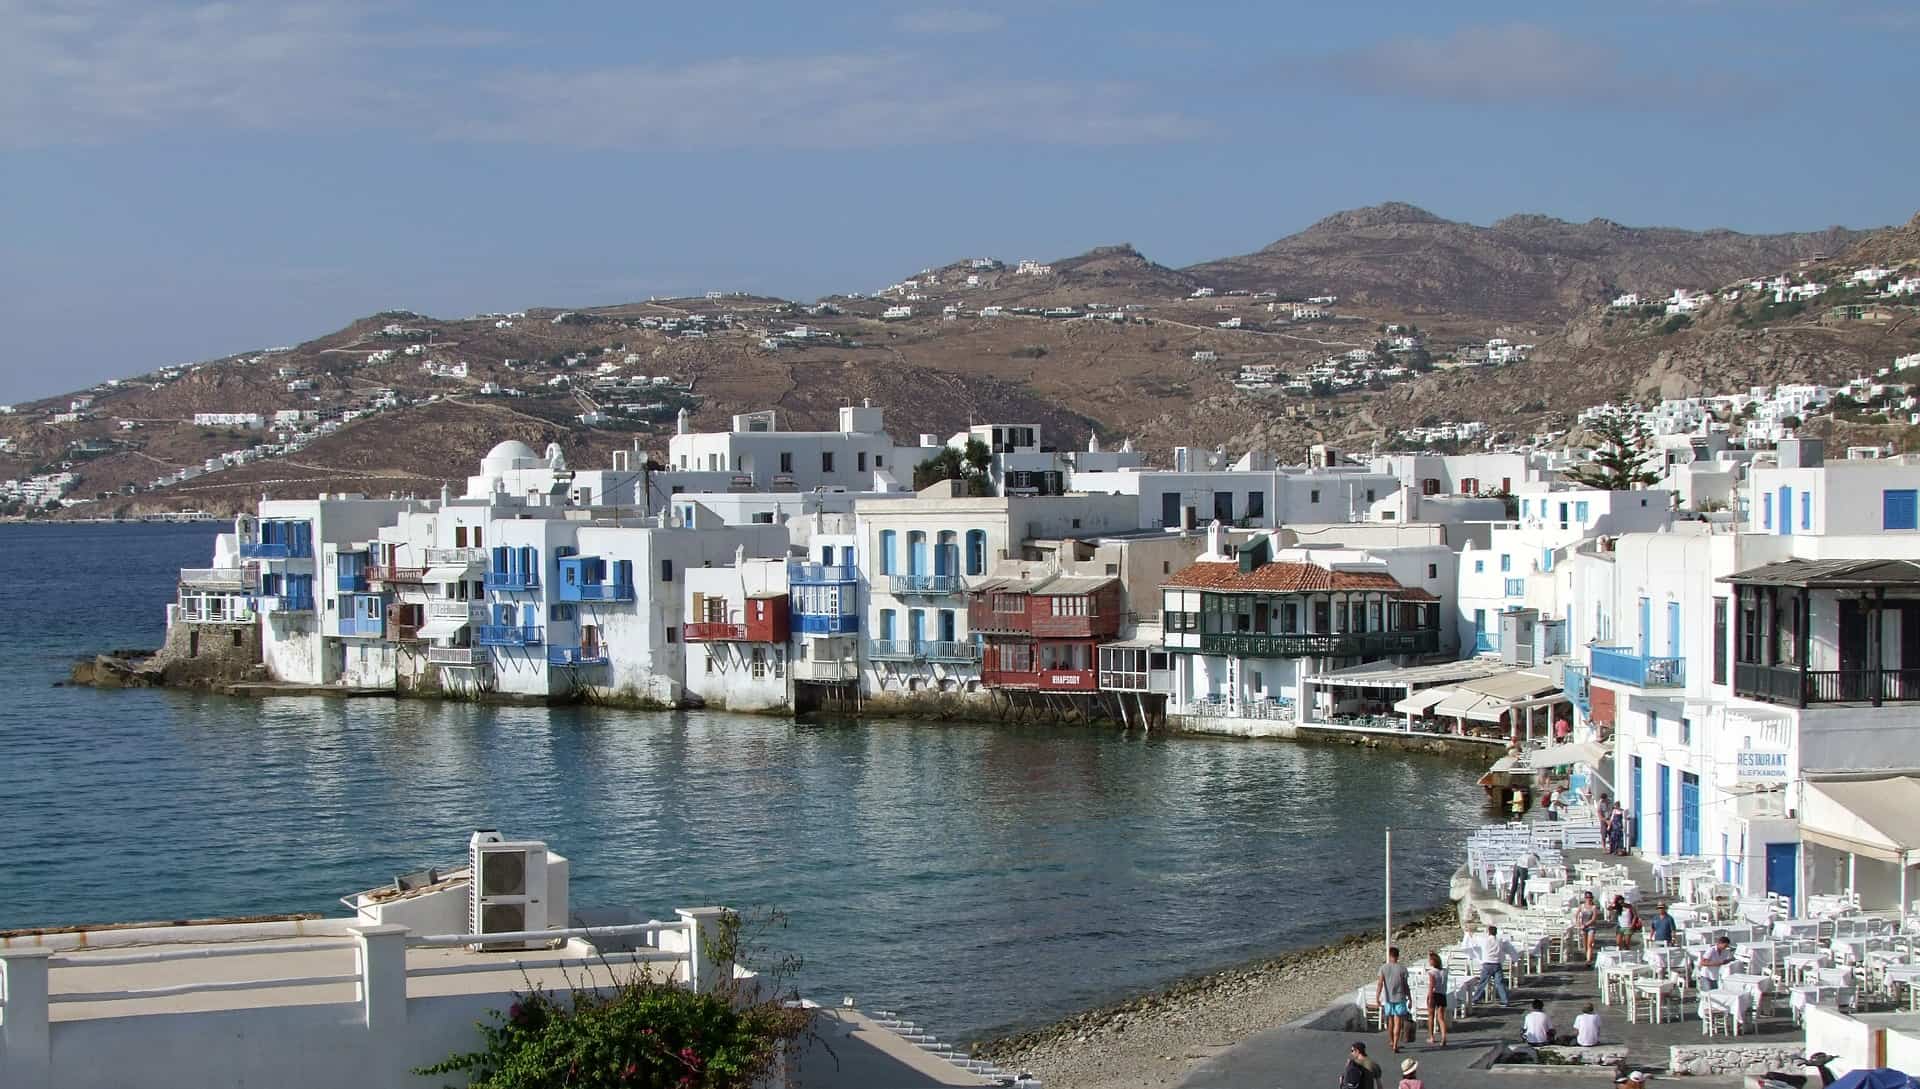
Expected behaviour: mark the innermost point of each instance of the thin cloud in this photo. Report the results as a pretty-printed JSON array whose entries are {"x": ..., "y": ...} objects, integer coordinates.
[
  {"x": 89, "y": 71},
  {"x": 949, "y": 21},
  {"x": 828, "y": 101},
  {"x": 1511, "y": 63}
]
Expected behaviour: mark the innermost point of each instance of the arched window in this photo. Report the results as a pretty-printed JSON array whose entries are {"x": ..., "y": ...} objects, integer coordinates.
[
  {"x": 946, "y": 553},
  {"x": 976, "y": 552},
  {"x": 917, "y": 553}
]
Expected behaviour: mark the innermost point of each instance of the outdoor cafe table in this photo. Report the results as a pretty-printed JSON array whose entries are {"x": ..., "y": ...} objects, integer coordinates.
[
  {"x": 1791, "y": 929},
  {"x": 1621, "y": 976},
  {"x": 1802, "y": 965},
  {"x": 1738, "y": 1002},
  {"x": 1851, "y": 950},
  {"x": 1757, "y": 956}
]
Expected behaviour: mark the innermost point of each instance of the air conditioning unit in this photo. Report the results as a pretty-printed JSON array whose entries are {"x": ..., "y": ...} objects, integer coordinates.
[{"x": 506, "y": 888}]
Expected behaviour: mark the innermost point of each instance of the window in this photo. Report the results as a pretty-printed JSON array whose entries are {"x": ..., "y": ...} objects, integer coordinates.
[
  {"x": 1526, "y": 506},
  {"x": 560, "y": 612},
  {"x": 1313, "y": 496},
  {"x": 1256, "y": 504},
  {"x": 1899, "y": 509},
  {"x": 886, "y": 551},
  {"x": 786, "y": 461},
  {"x": 1806, "y": 510},
  {"x": 760, "y": 655},
  {"x": 826, "y": 465},
  {"x": 1653, "y": 724},
  {"x": 666, "y": 570},
  {"x": 1686, "y": 731},
  {"x": 860, "y": 461},
  {"x": 673, "y": 634},
  {"x": 1516, "y": 587},
  {"x": 1766, "y": 512},
  {"x": 459, "y": 536},
  {"x": 763, "y": 518},
  {"x": 976, "y": 552},
  {"x": 1719, "y": 640},
  {"x": 1072, "y": 606},
  {"x": 879, "y": 462},
  {"x": 1506, "y": 561},
  {"x": 1433, "y": 570},
  {"x": 1369, "y": 495},
  {"x": 1479, "y": 567},
  {"x": 1223, "y": 507},
  {"x": 1580, "y": 511}
]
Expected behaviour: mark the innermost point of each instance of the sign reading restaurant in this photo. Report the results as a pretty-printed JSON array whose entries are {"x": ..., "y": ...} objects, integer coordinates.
[{"x": 1762, "y": 767}]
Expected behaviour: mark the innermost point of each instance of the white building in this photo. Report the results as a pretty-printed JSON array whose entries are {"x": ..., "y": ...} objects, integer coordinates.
[
  {"x": 249, "y": 421},
  {"x": 758, "y": 456}
]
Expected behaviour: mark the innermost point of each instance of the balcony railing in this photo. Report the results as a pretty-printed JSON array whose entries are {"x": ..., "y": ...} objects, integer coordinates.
[
  {"x": 220, "y": 578},
  {"x": 288, "y": 603},
  {"x": 1486, "y": 642},
  {"x": 1574, "y": 682},
  {"x": 362, "y": 626},
  {"x": 509, "y": 635},
  {"x": 274, "y": 550},
  {"x": 715, "y": 631},
  {"x": 513, "y": 581},
  {"x": 457, "y": 656},
  {"x": 1790, "y": 686},
  {"x": 195, "y": 611},
  {"x": 1330, "y": 645},
  {"x": 986, "y": 620},
  {"x": 925, "y": 585},
  {"x": 1623, "y": 665},
  {"x": 576, "y": 656},
  {"x": 596, "y": 591},
  {"x": 453, "y": 557},
  {"x": 826, "y": 623},
  {"x": 892, "y": 650},
  {"x": 1052, "y": 680},
  {"x": 948, "y": 651},
  {"x": 826, "y": 670},
  {"x": 353, "y": 582},
  {"x": 450, "y": 610},
  {"x": 381, "y": 572},
  {"x": 821, "y": 574}
]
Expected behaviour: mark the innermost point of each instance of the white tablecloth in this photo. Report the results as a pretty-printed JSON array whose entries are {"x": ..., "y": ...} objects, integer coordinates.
[{"x": 1740, "y": 1003}]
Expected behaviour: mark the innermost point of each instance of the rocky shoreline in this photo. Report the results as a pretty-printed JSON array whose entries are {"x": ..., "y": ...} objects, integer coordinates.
[{"x": 1155, "y": 1038}]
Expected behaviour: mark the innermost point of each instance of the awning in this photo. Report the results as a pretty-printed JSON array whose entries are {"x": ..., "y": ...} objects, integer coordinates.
[
  {"x": 445, "y": 627},
  {"x": 1577, "y": 752},
  {"x": 448, "y": 572},
  {"x": 1458, "y": 702},
  {"x": 1878, "y": 818},
  {"x": 1418, "y": 702}
]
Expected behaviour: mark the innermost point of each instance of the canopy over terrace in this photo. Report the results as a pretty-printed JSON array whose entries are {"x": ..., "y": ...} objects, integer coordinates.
[
  {"x": 1870, "y": 820},
  {"x": 1517, "y": 702},
  {"x": 1373, "y": 691}
]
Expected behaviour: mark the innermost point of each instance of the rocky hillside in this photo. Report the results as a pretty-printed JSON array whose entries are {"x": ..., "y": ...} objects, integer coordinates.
[
  {"x": 406, "y": 402},
  {"x": 1524, "y": 267}
]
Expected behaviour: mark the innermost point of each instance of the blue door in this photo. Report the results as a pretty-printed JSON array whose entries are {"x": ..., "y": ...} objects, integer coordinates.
[
  {"x": 1726, "y": 859},
  {"x": 917, "y": 626},
  {"x": 1663, "y": 778},
  {"x": 1689, "y": 813},
  {"x": 1673, "y": 629},
  {"x": 1783, "y": 869},
  {"x": 1786, "y": 512},
  {"x": 1646, "y": 627},
  {"x": 1633, "y": 784}
]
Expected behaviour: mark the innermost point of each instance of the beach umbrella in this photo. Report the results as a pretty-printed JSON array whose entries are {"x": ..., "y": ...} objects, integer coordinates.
[{"x": 1882, "y": 1078}]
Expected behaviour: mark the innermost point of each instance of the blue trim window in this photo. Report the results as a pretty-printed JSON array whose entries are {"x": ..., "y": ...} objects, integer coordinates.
[
  {"x": 1479, "y": 567},
  {"x": 886, "y": 551},
  {"x": 1766, "y": 511},
  {"x": 1806, "y": 510},
  {"x": 1506, "y": 561},
  {"x": 976, "y": 552},
  {"x": 1900, "y": 508},
  {"x": 1580, "y": 511}
]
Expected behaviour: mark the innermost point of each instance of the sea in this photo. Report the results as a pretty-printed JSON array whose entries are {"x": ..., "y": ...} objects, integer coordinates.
[{"x": 977, "y": 876}]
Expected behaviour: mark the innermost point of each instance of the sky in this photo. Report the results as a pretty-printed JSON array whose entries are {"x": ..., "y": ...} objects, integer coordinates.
[{"x": 181, "y": 181}]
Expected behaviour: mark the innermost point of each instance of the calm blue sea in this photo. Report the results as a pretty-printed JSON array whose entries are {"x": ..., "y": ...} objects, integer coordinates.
[{"x": 977, "y": 876}]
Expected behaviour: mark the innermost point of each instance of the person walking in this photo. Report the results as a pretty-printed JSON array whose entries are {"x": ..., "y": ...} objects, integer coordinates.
[
  {"x": 1626, "y": 923},
  {"x": 1360, "y": 1072},
  {"x": 1586, "y": 917},
  {"x": 1517, "y": 888},
  {"x": 1437, "y": 992},
  {"x": 1494, "y": 951},
  {"x": 1617, "y": 832},
  {"x": 1663, "y": 928},
  {"x": 1410, "y": 1075},
  {"x": 1395, "y": 1000}
]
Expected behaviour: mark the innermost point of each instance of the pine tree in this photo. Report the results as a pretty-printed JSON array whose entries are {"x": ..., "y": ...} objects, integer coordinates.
[{"x": 1620, "y": 455}]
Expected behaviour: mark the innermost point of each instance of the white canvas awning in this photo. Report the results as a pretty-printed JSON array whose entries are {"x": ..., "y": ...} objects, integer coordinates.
[
  {"x": 448, "y": 572},
  {"x": 1458, "y": 702},
  {"x": 1876, "y": 818},
  {"x": 442, "y": 628},
  {"x": 1578, "y": 752},
  {"x": 1418, "y": 702}
]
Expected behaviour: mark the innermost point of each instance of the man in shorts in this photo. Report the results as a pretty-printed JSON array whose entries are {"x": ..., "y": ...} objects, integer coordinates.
[{"x": 1395, "y": 998}]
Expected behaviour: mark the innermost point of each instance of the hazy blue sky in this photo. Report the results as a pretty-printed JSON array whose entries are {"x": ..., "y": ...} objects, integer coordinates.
[{"x": 182, "y": 181}]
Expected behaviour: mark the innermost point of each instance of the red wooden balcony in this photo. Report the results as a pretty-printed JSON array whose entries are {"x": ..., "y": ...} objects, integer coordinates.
[
  {"x": 1047, "y": 680},
  {"x": 711, "y": 631},
  {"x": 1104, "y": 626}
]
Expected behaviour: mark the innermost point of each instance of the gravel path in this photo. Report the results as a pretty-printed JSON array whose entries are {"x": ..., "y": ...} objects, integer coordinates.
[{"x": 1154, "y": 1040}]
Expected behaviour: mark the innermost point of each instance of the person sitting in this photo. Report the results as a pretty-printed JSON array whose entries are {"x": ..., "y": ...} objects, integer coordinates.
[
  {"x": 1537, "y": 1028},
  {"x": 1586, "y": 1027}
]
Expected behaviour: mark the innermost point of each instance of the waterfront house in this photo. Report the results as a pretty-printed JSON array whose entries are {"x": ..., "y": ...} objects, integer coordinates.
[
  {"x": 737, "y": 634},
  {"x": 1041, "y": 629}
]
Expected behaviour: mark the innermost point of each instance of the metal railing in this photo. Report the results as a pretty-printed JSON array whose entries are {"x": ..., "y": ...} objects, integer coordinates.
[
  {"x": 273, "y": 550},
  {"x": 925, "y": 584},
  {"x": 220, "y": 578},
  {"x": 1789, "y": 685},
  {"x": 1328, "y": 644},
  {"x": 941, "y": 650},
  {"x": 1623, "y": 665},
  {"x": 714, "y": 631},
  {"x": 826, "y": 670},
  {"x": 597, "y": 591},
  {"x": 449, "y": 557},
  {"x": 450, "y": 610},
  {"x": 511, "y": 581},
  {"x": 892, "y": 650},
  {"x": 509, "y": 635},
  {"x": 576, "y": 656},
  {"x": 820, "y": 574},
  {"x": 288, "y": 603},
  {"x": 382, "y": 572},
  {"x": 457, "y": 656}
]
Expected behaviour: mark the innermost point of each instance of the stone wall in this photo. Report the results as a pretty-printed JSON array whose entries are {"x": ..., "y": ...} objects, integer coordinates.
[
  {"x": 1598, "y": 1055},
  {"x": 1703, "y": 1060},
  {"x": 209, "y": 654}
]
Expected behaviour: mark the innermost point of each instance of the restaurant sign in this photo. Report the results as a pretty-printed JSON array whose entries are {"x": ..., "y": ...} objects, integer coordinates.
[{"x": 1761, "y": 767}]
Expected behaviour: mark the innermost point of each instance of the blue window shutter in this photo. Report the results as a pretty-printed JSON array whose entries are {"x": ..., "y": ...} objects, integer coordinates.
[
  {"x": 1806, "y": 510},
  {"x": 1899, "y": 508},
  {"x": 1766, "y": 511}
]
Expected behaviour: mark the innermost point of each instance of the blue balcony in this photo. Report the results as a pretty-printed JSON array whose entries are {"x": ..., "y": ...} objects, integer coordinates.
[
  {"x": 294, "y": 603},
  {"x": 1486, "y": 642},
  {"x": 513, "y": 581},
  {"x": 265, "y": 550},
  {"x": 363, "y": 627},
  {"x": 594, "y": 591},
  {"x": 354, "y": 581},
  {"x": 820, "y": 574},
  {"x": 509, "y": 635},
  {"x": 1574, "y": 682},
  {"x": 576, "y": 656},
  {"x": 949, "y": 651},
  {"x": 1623, "y": 665},
  {"x": 925, "y": 585},
  {"x": 826, "y": 623}
]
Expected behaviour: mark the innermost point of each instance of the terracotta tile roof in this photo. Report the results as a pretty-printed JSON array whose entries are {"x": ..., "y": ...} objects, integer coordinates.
[
  {"x": 1277, "y": 577},
  {"x": 1414, "y": 593}
]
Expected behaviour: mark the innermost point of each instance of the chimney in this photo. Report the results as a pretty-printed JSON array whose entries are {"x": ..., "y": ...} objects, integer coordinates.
[{"x": 1217, "y": 540}]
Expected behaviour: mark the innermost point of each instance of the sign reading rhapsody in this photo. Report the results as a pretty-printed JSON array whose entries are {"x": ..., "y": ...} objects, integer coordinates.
[{"x": 1761, "y": 767}]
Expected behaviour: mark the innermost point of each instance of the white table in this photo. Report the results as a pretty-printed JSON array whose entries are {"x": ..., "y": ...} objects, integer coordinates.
[{"x": 1737, "y": 1003}]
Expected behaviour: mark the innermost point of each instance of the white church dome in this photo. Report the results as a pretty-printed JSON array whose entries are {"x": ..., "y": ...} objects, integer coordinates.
[{"x": 507, "y": 455}]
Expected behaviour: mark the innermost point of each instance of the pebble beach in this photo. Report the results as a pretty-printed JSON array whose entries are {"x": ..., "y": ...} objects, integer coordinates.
[{"x": 1154, "y": 1039}]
